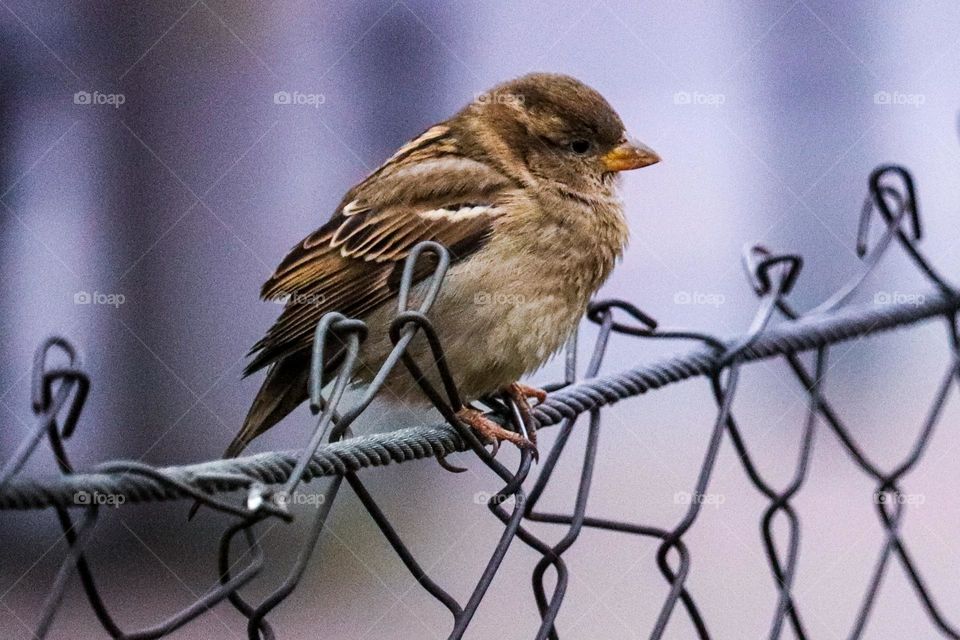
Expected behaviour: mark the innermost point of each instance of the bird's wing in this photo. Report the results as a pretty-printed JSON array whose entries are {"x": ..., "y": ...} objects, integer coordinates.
[{"x": 428, "y": 190}]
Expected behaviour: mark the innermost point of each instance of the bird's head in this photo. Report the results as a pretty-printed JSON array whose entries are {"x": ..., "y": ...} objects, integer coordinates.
[{"x": 560, "y": 129}]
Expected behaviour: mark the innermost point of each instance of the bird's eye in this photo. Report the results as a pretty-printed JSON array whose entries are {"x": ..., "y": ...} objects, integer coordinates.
[{"x": 580, "y": 146}]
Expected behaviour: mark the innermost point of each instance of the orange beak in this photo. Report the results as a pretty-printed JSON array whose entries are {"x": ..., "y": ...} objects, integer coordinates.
[{"x": 628, "y": 155}]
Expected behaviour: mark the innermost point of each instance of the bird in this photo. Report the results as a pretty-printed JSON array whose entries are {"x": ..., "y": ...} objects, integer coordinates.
[{"x": 521, "y": 187}]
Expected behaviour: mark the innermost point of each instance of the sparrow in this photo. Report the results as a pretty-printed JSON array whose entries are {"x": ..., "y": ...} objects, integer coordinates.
[{"x": 521, "y": 187}]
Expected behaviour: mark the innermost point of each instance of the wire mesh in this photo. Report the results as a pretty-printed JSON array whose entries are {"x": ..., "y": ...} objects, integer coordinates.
[{"x": 267, "y": 482}]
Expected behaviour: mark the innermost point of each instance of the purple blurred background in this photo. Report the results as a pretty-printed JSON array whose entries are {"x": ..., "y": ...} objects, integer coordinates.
[{"x": 145, "y": 162}]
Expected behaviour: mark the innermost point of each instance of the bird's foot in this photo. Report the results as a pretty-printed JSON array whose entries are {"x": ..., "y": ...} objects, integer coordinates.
[
  {"x": 521, "y": 395},
  {"x": 493, "y": 433},
  {"x": 520, "y": 391}
]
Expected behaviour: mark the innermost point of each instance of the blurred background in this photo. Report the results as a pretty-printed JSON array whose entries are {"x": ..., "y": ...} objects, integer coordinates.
[{"x": 149, "y": 182}]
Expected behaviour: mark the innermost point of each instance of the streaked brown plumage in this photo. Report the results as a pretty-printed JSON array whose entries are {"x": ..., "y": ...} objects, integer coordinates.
[{"x": 520, "y": 186}]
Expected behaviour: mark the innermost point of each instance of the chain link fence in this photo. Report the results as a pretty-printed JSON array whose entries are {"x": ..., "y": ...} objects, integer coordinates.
[{"x": 267, "y": 482}]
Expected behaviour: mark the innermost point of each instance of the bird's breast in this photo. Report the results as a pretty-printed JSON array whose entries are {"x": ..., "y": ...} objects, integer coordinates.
[{"x": 505, "y": 309}]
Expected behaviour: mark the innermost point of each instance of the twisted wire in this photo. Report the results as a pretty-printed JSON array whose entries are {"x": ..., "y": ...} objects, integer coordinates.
[{"x": 413, "y": 443}]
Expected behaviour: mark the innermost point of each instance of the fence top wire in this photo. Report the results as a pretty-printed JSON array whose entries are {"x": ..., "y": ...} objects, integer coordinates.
[{"x": 412, "y": 443}]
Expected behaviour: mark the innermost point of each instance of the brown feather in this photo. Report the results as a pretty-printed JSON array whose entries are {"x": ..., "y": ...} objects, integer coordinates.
[
  {"x": 283, "y": 390},
  {"x": 346, "y": 264}
]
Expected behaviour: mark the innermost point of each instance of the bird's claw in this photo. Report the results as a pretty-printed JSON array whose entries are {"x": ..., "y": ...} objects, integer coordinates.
[
  {"x": 452, "y": 468},
  {"x": 492, "y": 433},
  {"x": 518, "y": 390},
  {"x": 520, "y": 393}
]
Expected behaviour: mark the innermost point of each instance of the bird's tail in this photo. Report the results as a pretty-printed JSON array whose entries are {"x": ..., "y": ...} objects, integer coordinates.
[
  {"x": 282, "y": 392},
  {"x": 284, "y": 389}
]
